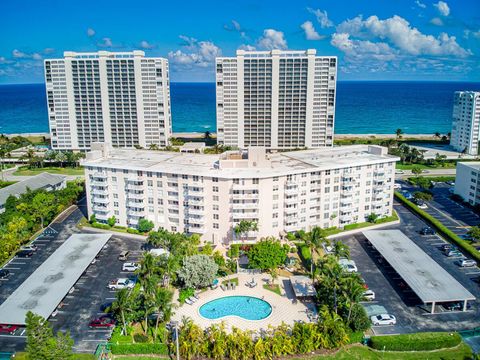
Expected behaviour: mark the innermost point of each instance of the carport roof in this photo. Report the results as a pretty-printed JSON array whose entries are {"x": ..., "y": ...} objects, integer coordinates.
[
  {"x": 42, "y": 291},
  {"x": 429, "y": 280}
]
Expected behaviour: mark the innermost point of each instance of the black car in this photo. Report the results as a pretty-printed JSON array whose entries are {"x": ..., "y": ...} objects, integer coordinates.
[
  {"x": 427, "y": 231},
  {"x": 25, "y": 253},
  {"x": 4, "y": 273},
  {"x": 447, "y": 247}
]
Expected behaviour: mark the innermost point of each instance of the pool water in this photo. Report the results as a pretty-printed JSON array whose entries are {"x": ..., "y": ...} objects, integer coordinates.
[{"x": 246, "y": 307}]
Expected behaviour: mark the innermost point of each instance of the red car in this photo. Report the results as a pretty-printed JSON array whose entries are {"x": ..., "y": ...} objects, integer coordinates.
[
  {"x": 103, "y": 322},
  {"x": 8, "y": 329}
]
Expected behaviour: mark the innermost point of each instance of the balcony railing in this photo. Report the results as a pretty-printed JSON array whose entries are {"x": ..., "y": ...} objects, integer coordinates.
[{"x": 100, "y": 200}]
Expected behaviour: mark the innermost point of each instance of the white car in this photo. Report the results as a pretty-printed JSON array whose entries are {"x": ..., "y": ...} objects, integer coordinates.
[
  {"x": 121, "y": 284},
  {"x": 399, "y": 172},
  {"x": 130, "y": 266},
  {"x": 467, "y": 263},
  {"x": 397, "y": 186},
  {"x": 423, "y": 206},
  {"x": 369, "y": 295},
  {"x": 383, "y": 319},
  {"x": 348, "y": 265},
  {"x": 31, "y": 247}
]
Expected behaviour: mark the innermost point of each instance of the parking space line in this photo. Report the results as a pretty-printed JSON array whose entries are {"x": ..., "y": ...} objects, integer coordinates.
[
  {"x": 11, "y": 268},
  {"x": 473, "y": 273}
]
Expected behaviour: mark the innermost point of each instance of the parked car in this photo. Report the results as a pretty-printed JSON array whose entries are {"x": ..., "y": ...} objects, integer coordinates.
[
  {"x": 422, "y": 205},
  {"x": 455, "y": 306},
  {"x": 103, "y": 322},
  {"x": 451, "y": 183},
  {"x": 427, "y": 231},
  {"x": 121, "y": 284},
  {"x": 124, "y": 255},
  {"x": 348, "y": 265},
  {"x": 383, "y": 319},
  {"x": 399, "y": 172},
  {"x": 25, "y": 253},
  {"x": 453, "y": 252},
  {"x": 397, "y": 186},
  {"x": 369, "y": 295},
  {"x": 130, "y": 266},
  {"x": 467, "y": 263},
  {"x": 4, "y": 273},
  {"x": 31, "y": 247},
  {"x": 447, "y": 247},
  {"x": 8, "y": 329}
]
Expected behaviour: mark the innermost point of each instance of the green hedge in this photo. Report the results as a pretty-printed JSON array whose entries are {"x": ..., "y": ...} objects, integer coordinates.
[
  {"x": 442, "y": 229},
  {"x": 305, "y": 254},
  {"x": 127, "y": 349},
  {"x": 416, "y": 342}
]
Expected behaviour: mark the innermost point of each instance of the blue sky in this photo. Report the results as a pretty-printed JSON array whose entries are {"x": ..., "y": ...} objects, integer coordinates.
[{"x": 374, "y": 39}]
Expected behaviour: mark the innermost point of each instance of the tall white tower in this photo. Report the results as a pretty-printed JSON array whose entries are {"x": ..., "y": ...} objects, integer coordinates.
[
  {"x": 466, "y": 122},
  {"x": 277, "y": 99},
  {"x": 120, "y": 98}
]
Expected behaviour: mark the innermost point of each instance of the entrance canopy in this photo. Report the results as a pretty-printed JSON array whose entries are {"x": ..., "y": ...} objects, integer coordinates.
[
  {"x": 426, "y": 278},
  {"x": 302, "y": 286},
  {"x": 42, "y": 291}
]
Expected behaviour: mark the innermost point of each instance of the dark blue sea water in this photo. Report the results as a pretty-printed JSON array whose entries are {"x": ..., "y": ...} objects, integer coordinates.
[{"x": 362, "y": 107}]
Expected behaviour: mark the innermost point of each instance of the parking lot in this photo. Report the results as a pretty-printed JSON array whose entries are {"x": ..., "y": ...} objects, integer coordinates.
[
  {"x": 82, "y": 304},
  {"x": 392, "y": 294}
]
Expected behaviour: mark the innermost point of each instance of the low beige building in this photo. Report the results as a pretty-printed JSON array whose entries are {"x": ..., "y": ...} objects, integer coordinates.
[{"x": 211, "y": 194}]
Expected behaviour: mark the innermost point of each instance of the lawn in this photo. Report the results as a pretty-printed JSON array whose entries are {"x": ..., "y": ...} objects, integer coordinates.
[
  {"x": 24, "y": 171},
  {"x": 447, "y": 165},
  {"x": 273, "y": 288},
  {"x": 359, "y": 352},
  {"x": 233, "y": 280}
]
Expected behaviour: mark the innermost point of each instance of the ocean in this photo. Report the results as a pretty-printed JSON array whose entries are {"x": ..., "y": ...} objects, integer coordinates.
[{"x": 362, "y": 107}]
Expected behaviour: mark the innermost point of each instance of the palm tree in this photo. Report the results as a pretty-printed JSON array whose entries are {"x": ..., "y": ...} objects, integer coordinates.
[
  {"x": 353, "y": 292},
  {"x": 329, "y": 273},
  {"x": 314, "y": 240},
  {"x": 341, "y": 250},
  {"x": 243, "y": 227},
  {"x": 399, "y": 133},
  {"x": 207, "y": 135},
  {"x": 163, "y": 306},
  {"x": 122, "y": 305},
  {"x": 437, "y": 135},
  {"x": 147, "y": 267}
]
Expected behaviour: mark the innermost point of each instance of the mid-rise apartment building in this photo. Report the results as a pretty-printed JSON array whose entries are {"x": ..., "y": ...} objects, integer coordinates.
[
  {"x": 276, "y": 99},
  {"x": 466, "y": 122},
  {"x": 211, "y": 194},
  {"x": 467, "y": 182},
  {"x": 122, "y": 98}
]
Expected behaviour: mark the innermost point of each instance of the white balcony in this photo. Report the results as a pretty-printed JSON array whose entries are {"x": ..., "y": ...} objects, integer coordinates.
[
  {"x": 245, "y": 205},
  {"x": 102, "y": 217},
  {"x": 195, "y": 201},
  {"x": 96, "y": 191},
  {"x": 245, "y": 215},
  {"x": 132, "y": 195},
  {"x": 291, "y": 227},
  {"x": 100, "y": 200},
  {"x": 245, "y": 196},
  {"x": 136, "y": 213},
  {"x": 196, "y": 220},
  {"x": 245, "y": 186},
  {"x": 292, "y": 183},
  {"x": 98, "y": 183},
  {"x": 134, "y": 203},
  {"x": 291, "y": 191},
  {"x": 195, "y": 184},
  {"x": 291, "y": 210},
  {"x": 99, "y": 175},
  {"x": 133, "y": 221},
  {"x": 195, "y": 191},
  {"x": 348, "y": 190},
  {"x": 135, "y": 187},
  {"x": 196, "y": 230},
  {"x": 102, "y": 209},
  {"x": 134, "y": 179},
  {"x": 292, "y": 200},
  {"x": 196, "y": 211}
]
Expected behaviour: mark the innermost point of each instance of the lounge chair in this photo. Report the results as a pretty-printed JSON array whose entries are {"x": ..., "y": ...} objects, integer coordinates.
[
  {"x": 188, "y": 301},
  {"x": 234, "y": 286},
  {"x": 192, "y": 299},
  {"x": 196, "y": 297},
  {"x": 222, "y": 287}
]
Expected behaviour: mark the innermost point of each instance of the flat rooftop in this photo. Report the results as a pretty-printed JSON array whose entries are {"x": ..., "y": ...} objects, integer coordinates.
[
  {"x": 42, "y": 291},
  {"x": 471, "y": 164},
  {"x": 280, "y": 163},
  {"x": 302, "y": 286},
  {"x": 429, "y": 280}
]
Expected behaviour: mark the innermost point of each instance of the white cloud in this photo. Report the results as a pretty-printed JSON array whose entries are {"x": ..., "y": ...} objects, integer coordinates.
[
  {"x": 398, "y": 32},
  {"x": 195, "y": 53},
  {"x": 420, "y": 4},
  {"x": 48, "y": 51},
  {"x": 475, "y": 34},
  {"x": 36, "y": 56},
  {"x": 322, "y": 17},
  {"x": 310, "y": 32},
  {"x": 17, "y": 54},
  {"x": 355, "y": 49},
  {"x": 272, "y": 39},
  {"x": 145, "y": 45},
  {"x": 247, "y": 47},
  {"x": 90, "y": 32},
  {"x": 236, "y": 27},
  {"x": 442, "y": 8},
  {"x": 106, "y": 42},
  {"x": 436, "y": 21}
]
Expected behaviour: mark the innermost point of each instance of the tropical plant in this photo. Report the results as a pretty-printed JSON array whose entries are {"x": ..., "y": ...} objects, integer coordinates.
[
  {"x": 145, "y": 225},
  {"x": 197, "y": 271},
  {"x": 399, "y": 133},
  {"x": 372, "y": 218},
  {"x": 243, "y": 227},
  {"x": 122, "y": 305},
  {"x": 314, "y": 240},
  {"x": 112, "y": 221},
  {"x": 267, "y": 254}
]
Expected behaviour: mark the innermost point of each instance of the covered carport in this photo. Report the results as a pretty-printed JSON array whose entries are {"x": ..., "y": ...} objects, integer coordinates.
[
  {"x": 430, "y": 282},
  {"x": 42, "y": 291}
]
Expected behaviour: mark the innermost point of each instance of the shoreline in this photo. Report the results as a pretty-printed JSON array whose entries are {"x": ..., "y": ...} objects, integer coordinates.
[{"x": 198, "y": 135}]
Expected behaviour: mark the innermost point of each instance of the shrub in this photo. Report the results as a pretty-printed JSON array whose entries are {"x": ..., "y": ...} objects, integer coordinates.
[
  {"x": 133, "y": 231},
  {"x": 416, "y": 342},
  {"x": 101, "y": 226},
  {"x": 140, "y": 338},
  {"x": 185, "y": 294},
  {"x": 145, "y": 225},
  {"x": 305, "y": 254},
  {"x": 442, "y": 229},
  {"x": 359, "y": 320},
  {"x": 126, "y": 349},
  {"x": 112, "y": 221}
]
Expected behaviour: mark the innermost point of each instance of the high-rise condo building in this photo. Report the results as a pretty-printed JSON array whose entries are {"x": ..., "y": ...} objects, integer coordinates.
[
  {"x": 211, "y": 194},
  {"x": 119, "y": 98},
  {"x": 466, "y": 122},
  {"x": 277, "y": 99}
]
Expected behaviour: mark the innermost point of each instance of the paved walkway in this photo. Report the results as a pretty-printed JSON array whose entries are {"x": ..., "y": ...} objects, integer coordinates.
[{"x": 283, "y": 309}]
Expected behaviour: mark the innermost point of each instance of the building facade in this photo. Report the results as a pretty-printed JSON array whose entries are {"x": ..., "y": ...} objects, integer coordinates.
[
  {"x": 466, "y": 122},
  {"x": 211, "y": 194},
  {"x": 276, "y": 99},
  {"x": 119, "y": 98},
  {"x": 467, "y": 181}
]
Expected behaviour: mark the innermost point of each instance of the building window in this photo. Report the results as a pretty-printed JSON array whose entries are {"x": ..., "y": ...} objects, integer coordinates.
[
  {"x": 215, "y": 226},
  {"x": 215, "y": 189}
]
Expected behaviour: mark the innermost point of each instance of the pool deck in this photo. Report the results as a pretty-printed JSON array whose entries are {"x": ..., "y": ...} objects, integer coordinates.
[{"x": 283, "y": 309}]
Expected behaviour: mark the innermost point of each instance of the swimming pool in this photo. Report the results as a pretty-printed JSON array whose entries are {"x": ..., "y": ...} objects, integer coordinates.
[{"x": 246, "y": 307}]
